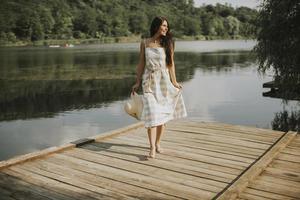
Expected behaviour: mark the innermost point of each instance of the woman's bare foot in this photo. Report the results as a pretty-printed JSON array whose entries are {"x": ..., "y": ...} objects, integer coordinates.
[
  {"x": 152, "y": 152},
  {"x": 159, "y": 149}
]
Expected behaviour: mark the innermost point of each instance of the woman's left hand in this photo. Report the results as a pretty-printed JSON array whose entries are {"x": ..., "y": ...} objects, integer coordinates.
[{"x": 177, "y": 85}]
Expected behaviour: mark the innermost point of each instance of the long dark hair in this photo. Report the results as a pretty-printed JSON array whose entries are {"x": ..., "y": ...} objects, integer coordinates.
[{"x": 165, "y": 41}]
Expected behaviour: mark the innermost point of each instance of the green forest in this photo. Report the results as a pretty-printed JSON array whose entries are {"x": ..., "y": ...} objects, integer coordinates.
[{"x": 40, "y": 20}]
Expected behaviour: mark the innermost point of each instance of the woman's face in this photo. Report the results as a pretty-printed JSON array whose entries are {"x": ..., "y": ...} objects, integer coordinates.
[{"x": 163, "y": 29}]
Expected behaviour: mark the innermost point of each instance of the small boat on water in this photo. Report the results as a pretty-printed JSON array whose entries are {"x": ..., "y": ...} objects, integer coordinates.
[
  {"x": 65, "y": 45},
  {"x": 69, "y": 45},
  {"x": 54, "y": 46}
]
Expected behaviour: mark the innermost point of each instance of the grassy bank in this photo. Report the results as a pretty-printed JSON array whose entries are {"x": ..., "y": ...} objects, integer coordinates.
[
  {"x": 103, "y": 40},
  {"x": 62, "y": 42}
]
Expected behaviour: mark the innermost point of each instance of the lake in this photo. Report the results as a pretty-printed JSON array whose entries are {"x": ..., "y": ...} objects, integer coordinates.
[{"x": 52, "y": 96}]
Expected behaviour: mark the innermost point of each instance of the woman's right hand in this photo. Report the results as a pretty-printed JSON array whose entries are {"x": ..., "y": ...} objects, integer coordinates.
[
  {"x": 135, "y": 87},
  {"x": 177, "y": 85}
]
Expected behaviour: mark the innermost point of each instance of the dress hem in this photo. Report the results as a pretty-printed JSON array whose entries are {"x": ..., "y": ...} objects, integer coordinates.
[{"x": 163, "y": 122}]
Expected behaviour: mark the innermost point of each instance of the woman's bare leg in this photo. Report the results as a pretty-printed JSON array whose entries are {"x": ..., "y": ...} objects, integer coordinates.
[
  {"x": 152, "y": 139},
  {"x": 160, "y": 131}
]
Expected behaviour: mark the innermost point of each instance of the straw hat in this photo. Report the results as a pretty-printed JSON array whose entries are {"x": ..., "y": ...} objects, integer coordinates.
[{"x": 134, "y": 106}]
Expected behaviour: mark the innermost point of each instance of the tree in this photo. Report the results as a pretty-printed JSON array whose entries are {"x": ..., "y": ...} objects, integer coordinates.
[
  {"x": 85, "y": 21},
  {"x": 232, "y": 25},
  {"x": 36, "y": 28},
  {"x": 62, "y": 16},
  {"x": 278, "y": 46},
  {"x": 191, "y": 26},
  {"x": 224, "y": 10},
  {"x": 7, "y": 16},
  {"x": 213, "y": 26},
  {"x": 245, "y": 14},
  {"x": 46, "y": 20},
  {"x": 138, "y": 22}
]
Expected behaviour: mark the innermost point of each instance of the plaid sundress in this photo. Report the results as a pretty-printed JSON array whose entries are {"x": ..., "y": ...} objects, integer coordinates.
[{"x": 162, "y": 101}]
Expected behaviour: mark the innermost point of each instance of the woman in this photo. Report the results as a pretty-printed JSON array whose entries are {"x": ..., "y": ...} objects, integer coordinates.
[{"x": 162, "y": 97}]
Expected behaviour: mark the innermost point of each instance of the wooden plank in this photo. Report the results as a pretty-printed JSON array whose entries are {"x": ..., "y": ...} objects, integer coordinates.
[
  {"x": 297, "y": 139},
  {"x": 288, "y": 158},
  {"x": 283, "y": 173},
  {"x": 87, "y": 176},
  {"x": 275, "y": 188},
  {"x": 236, "y": 148},
  {"x": 294, "y": 152},
  {"x": 179, "y": 141},
  {"x": 211, "y": 144},
  {"x": 226, "y": 133},
  {"x": 213, "y": 148},
  {"x": 231, "y": 141},
  {"x": 141, "y": 168},
  {"x": 33, "y": 155},
  {"x": 186, "y": 153},
  {"x": 295, "y": 145},
  {"x": 51, "y": 184},
  {"x": 286, "y": 183},
  {"x": 238, "y": 129},
  {"x": 249, "y": 196},
  {"x": 263, "y": 194},
  {"x": 112, "y": 181},
  {"x": 293, "y": 148},
  {"x": 178, "y": 165},
  {"x": 170, "y": 146},
  {"x": 175, "y": 154},
  {"x": 230, "y": 127},
  {"x": 17, "y": 188},
  {"x": 98, "y": 192},
  {"x": 253, "y": 171},
  {"x": 159, "y": 185},
  {"x": 184, "y": 140},
  {"x": 283, "y": 165},
  {"x": 151, "y": 171},
  {"x": 199, "y": 136},
  {"x": 225, "y": 126},
  {"x": 217, "y": 141}
]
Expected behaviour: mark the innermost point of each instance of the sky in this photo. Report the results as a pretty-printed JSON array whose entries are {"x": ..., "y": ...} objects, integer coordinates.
[{"x": 234, "y": 3}]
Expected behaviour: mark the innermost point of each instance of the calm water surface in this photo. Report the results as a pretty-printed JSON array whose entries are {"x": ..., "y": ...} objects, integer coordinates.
[{"x": 51, "y": 96}]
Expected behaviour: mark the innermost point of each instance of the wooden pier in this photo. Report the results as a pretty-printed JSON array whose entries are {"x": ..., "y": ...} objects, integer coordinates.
[{"x": 202, "y": 160}]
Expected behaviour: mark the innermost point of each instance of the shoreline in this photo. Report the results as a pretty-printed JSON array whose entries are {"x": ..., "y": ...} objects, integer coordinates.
[{"x": 108, "y": 40}]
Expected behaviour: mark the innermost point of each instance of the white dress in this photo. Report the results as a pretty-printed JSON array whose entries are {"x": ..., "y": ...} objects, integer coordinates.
[{"x": 162, "y": 101}]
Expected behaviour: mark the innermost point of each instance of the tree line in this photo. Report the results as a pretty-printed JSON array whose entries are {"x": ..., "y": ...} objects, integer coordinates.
[{"x": 33, "y": 20}]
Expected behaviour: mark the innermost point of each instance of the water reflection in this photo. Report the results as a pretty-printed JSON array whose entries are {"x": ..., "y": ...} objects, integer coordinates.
[
  {"x": 220, "y": 62},
  {"x": 35, "y": 99},
  {"x": 38, "y": 88},
  {"x": 287, "y": 121}
]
